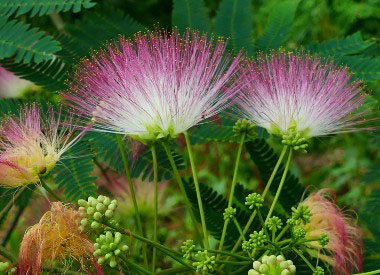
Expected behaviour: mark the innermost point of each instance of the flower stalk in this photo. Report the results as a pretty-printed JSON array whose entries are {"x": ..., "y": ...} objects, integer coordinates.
[
  {"x": 196, "y": 183},
  {"x": 231, "y": 196},
  {"x": 49, "y": 190},
  {"x": 155, "y": 182},
  {"x": 130, "y": 184}
]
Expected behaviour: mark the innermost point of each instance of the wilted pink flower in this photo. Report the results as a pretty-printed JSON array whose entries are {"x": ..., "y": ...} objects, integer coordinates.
[
  {"x": 11, "y": 85},
  {"x": 155, "y": 86},
  {"x": 345, "y": 243},
  {"x": 30, "y": 147},
  {"x": 297, "y": 91}
]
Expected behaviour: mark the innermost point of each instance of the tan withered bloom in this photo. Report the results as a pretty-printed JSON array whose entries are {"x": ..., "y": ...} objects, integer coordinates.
[{"x": 55, "y": 238}]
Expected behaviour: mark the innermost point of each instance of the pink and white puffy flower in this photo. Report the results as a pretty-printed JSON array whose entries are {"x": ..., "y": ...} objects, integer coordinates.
[
  {"x": 344, "y": 249},
  {"x": 30, "y": 147},
  {"x": 296, "y": 91},
  {"x": 155, "y": 86},
  {"x": 12, "y": 86}
]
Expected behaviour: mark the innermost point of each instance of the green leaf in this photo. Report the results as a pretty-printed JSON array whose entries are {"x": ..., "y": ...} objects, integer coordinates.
[
  {"x": 351, "y": 44},
  {"x": 27, "y": 44},
  {"x": 213, "y": 206},
  {"x": 278, "y": 26},
  {"x": 42, "y": 7},
  {"x": 106, "y": 150},
  {"x": 100, "y": 25},
  {"x": 190, "y": 14},
  {"x": 221, "y": 130},
  {"x": 74, "y": 173},
  {"x": 363, "y": 67},
  {"x": 265, "y": 159},
  {"x": 234, "y": 21}
]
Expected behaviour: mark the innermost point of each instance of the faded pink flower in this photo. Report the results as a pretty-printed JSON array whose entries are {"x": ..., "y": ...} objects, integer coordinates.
[
  {"x": 155, "y": 86},
  {"x": 30, "y": 147},
  {"x": 284, "y": 91},
  {"x": 11, "y": 85},
  {"x": 344, "y": 250}
]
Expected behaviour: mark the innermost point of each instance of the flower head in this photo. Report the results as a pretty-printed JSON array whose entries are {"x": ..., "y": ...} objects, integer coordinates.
[
  {"x": 30, "y": 147},
  {"x": 158, "y": 85},
  {"x": 297, "y": 96},
  {"x": 55, "y": 237},
  {"x": 11, "y": 85},
  {"x": 344, "y": 238}
]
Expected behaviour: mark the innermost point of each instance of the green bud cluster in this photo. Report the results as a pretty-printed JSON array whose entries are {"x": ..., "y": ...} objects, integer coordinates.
[
  {"x": 299, "y": 232},
  {"x": 254, "y": 200},
  {"x": 188, "y": 249},
  {"x": 257, "y": 239},
  {"x": 301, "y": 213},
  {"x": 291, "y": 222},
  {"x": 274, "y": 223},
  {"x": 295, "y": 139},
  {"x": 324, "y": 240},
  {"x": 319, "y": 271},
  {"x": 245, "y": 126},
  {"x": 273, "y": 265},
  {"x": 95, "y": 211},
  {"x": 204, "y": 263},
  {"x": 247, "y": 246},
  {"x": 229, "y": 213},
  {"x": 108, "y": 246},
  {"x": 5, "y": 268}
]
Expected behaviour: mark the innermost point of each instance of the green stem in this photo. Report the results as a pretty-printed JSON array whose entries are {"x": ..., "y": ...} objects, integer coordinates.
[
  {"x": 196, "y": 183},
  {"x": 231, "y": 197},
  {"x": 369, "y": 273},
  {"x": 239, "y": 228},
  {"x": 174, "y": 270},
  {"x": 131, "y": 188},
  {"x": 262, "y": 223},
  {"x": 50, "y": 191},
  {"x": 282, "y": 232},
  {"x": 9, "y": 205},
  {"x": 228, "y": 254},
  {"x": 7, "y": 255},
  {"x": 280, "y": 186},
  {"x": 299, "y": 253},
  {"x": 234, "y": 263},
  {"x": 252, "y": 217},
  {"x": 155, "y": 181},
  {"x": 134, "y": 265},
  {"x": 182, "y": 189}
]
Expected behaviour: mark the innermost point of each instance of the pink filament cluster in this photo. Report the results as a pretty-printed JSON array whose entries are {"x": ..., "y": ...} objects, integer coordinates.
[
  {"x": 30, "y": 147},
  {"x": 345, "y": 245},
  {"x": 281, "y": 89},
  {"x": 158, "y": 83}
]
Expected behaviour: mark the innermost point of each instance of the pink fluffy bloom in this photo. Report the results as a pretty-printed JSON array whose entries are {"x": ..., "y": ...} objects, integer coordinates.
[
  {"x": 155, "y": 86},
  {"x": 30, "y": 147},
  {"x": 344, "y": 250},
  {"x": 286, "y": 91},
  {"x": 11, "y": 85}
]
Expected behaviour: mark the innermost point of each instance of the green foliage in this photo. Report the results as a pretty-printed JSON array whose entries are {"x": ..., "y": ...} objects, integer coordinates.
[
  {"x": 73, "y": 173},
  {"x": 102, "y": 24},
  {"x": 370, "y": 216},
  {"x": 265, "y": 159},
  {"x": 213, "y": 206},
  {"x": 106, "y": 150},
  {"x": 220, "y": 130},
  {"x": 278, "y": 26},
  {"x": 190, "y": 14},
  {"x": 234, "y": 21},
  {"x": 27, "y": 44},
  {"x": 351, "y": 44},
  {"x": 42, "y": 7}
]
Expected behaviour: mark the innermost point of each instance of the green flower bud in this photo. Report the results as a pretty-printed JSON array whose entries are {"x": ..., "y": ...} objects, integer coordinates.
[
  {"x": 100, "y": 207},
  {"x": 84, "y": 222},
  {"x": 229, "y": 213},
  {"x": 106, "y": 201},
  {"x": 324, "y": 240},
  {"x": 98, "y": 216},
  {"x": 82, "y": 203},
  {"x": 101, "y": 198},
  {"x": 112, "y": 206},
  {"x": 263, "y": 268},
  {"x": 109, "y": 213},
  {"x": 253, "y": 272},
  {"x": 90, "y": 210},
  {"x": 95, "y": 225},
  {"x": 113, "y": 262},
  {"x": 301, "y": 213},
  {"x": 125, "y": 248}
]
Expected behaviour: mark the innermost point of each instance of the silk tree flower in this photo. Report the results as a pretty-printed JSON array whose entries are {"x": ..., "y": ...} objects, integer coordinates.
[
  {"x": 55, "y": 238},
  {"x": 295, "y": 93},
  {"x": 344, "y": 249},
  {"x": 158, "y": 85},
  {"x": 12, "y": 86},
  {"x": 31, "y": 147}
]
